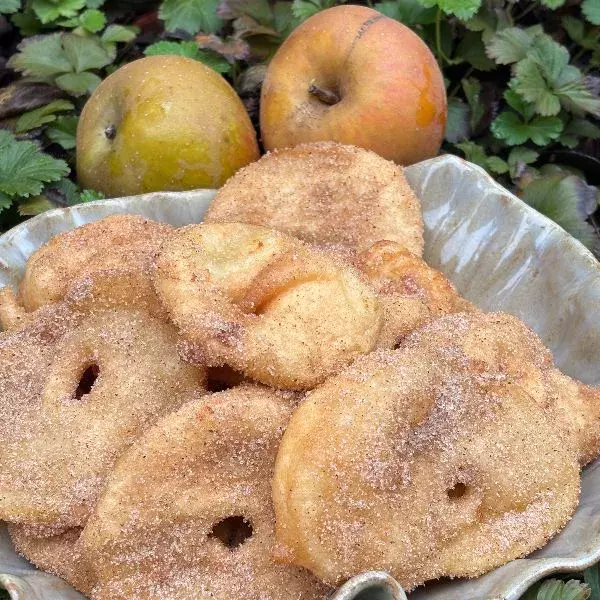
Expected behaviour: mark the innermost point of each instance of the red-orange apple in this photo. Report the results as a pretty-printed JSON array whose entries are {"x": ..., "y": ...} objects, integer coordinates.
[{"x": 352, "y": 75}]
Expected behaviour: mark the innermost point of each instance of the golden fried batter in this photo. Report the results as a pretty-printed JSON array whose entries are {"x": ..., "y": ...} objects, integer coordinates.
[
  {"x": 503, "y": 343},
  {"x": 120, "y": 244},
  {"x": 187, "y": 512},
  {"x": 59, "y": 555},
  {"x": 266, "y": 304},
  {"x": 423, "y": 464},
  {"x": 72, "y": 396},
  {"x": 411, "y": 292},
  {"x": 325, "y": 193}
]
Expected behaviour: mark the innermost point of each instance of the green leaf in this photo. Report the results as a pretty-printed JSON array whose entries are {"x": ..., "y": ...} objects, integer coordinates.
[
  {"x": 592, "y": 577},
  {"x": 509, "y": 45},
  {"x": 41, "y": 57},
  {"x": 463, "y": 9},
  {"x": 118, "y": 33},
  {"x": 27, "y": 22},
  {"x": 24, "y": 168},
  {"x": 92, "y": 20},
  {"x": 35, "y": 205},
  {"x": 515, "y": 101},
  {"x": 473, "y": 153},
  {"x": 457, "y": 123},
  {"x": 496, "y": 165},
  {"x": 530, "y": 83},
  {"x": 48, "y": 11},
  {"x": 472, "y": 50},
  {"x": 8, "y": 7},
  {"x": 553, "y": 4},
  {"x": 85, "y": 53},
  {"x": 567, "y": 200},
  {"x": 284, "y": 19},
  {"x": 90, "y": 196},
  {"x": 509, "y": 126},
  {"x": 191, "y": 16},
  {"x": 576, "y": 129},
  {"x": 190, "y": 50},
  {"x": 63, "y": 132},
  {"x": 5, "y": 201},
  {"x": 94, "y": 3},
  {"x": 78, "y": 84},
  {"x": 409, "y": 12},
  {"x": 472, "y": 90},
  {"x": 591, "y": 11},
  {"x": 41, "y": 116},
  {"x": 519, "y": 157}
]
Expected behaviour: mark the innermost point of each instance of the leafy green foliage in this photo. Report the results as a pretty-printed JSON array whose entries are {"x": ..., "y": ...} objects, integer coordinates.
[
  {"x": 190, "y": 50},
  {"x": 24, "y": 169},
  {"x": 8, "y": 7},
  {"x": 555, "y": 589},
  {"x": 41, "y": 116},
  {"x": 191, "y": 16},
  {"x": 591, "y": 10}
]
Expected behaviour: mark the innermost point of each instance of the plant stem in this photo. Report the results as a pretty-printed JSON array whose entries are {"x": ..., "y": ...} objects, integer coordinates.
[
  {"x": 438, "y": 37},
  {"x": 457, "y": 87},
  {"x": 525, "y": 12}
]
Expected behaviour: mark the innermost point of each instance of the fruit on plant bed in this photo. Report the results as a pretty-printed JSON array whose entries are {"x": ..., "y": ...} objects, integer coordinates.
[
  {"x": 353, "y": 75},
  {"x": 162, "y": 123}
]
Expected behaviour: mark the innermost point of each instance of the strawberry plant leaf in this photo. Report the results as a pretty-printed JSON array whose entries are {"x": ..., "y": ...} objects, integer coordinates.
[
  {"x": 48, "y": 11},
  {"x": 509, "y": 126},
  {"x": 496, "y": 165},
  {"x": 41, "y": 57},
  {"x": 457, "y": 124},
  {"x": 509, "y": 45},
  {"x": 530, "y": 83},
  {"x": 568, "y": 201},
  {"x": 518, "y": 158},
  {"x": 474, "y": 153},
  {"x": 41, "y": 116},
  {"x": 78, "y": 84},
  {"x": 90, "y": 196},
  {"x": 190, "y": 50},
  {"x": 36, "y": 205},
  {"x": 472, "y": 90},
  {"x": 576, "y": 129},
  {"x": 591, "y": 11},
  {"x": 63, "y": 131},
  {"x": 8, "y": 7},
  {"x": 85, "y": 53},
  {"x": 592, "y": 577},
  {"x": 409, "y": 12},
  {"x": 92, "y": 20},
  {"x": 24, "y": 168},
  {"x": 472, "y": 50},
  {"x": 118, "y": 33},
  {"x": 463, "y": 9},
  {"x": 553, "y": 4},
  {"x": 191, "y": 16}
]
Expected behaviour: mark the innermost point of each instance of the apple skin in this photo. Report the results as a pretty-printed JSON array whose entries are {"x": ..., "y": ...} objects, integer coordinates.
[
  {"x": 391, "y": 91},
  {"x": 162, "y": 123}
]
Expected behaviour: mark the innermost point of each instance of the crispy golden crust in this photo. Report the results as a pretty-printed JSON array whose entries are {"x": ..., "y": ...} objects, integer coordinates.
[
  {"x": 12, "y": 314},
  {"x": 187, "y": 512},
  {"x": 59, "y": 555},
  {"x": 73, "y": 393},
  {"x": 423, "y": 464},
  {"x": 503, "y": 343},
  {"x": 120, "y": 243},
  {"x": 266, "y": 304},
  {"x": 325, "y": 193},
  {"x": 411, "y": 292}
]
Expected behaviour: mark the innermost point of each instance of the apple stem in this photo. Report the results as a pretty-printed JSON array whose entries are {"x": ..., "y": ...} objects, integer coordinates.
[
  {"x": 110, "y": 132},
  {"x": 325, "y": 96}
]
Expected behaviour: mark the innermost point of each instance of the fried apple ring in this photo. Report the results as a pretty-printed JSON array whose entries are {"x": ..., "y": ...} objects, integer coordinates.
[
  {"x": 59, "y": 555},
  {"x": 73, "y": 395},
  {"x": 324, "y": 193},
  {"x": 411, "y": 292},
  {"x": 502, "y": 343},
  {"x": 109, "y": 259},
  {"x": 421, "y": 464},
  {"x": 266, "y": 304},
  {"x": 187, "y": 512}
]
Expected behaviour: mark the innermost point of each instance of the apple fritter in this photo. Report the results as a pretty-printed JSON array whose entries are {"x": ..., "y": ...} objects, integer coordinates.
[
  {"x": 423, "y": 463},
  {"x": 74, "y": 392},
  {"x": 324, "y": 193},
  {"x": 266, "y": 304},
  {"x": 187, "y": 513}
]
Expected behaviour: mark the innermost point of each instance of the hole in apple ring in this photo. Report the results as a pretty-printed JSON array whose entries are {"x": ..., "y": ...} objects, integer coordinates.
[
  {"x": 232, "y": 531},
  {"x": 87, "y": 380}
]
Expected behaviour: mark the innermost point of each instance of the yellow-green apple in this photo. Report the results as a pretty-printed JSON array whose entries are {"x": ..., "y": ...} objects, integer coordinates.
[
  {"x": 352, "y": 75},
  {"x": 162, "y": 123}
]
